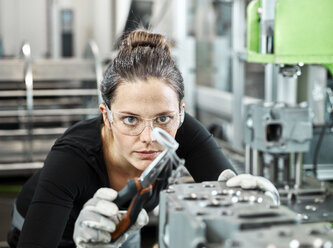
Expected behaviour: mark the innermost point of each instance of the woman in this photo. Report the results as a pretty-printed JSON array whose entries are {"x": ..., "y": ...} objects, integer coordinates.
[{"x": 142, "y": 88}]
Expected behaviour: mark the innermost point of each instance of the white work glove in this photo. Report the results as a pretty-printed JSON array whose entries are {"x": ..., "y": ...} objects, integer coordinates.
[
  {"x": 99, "y": 218},
  {"x": 247, "y": 181}
]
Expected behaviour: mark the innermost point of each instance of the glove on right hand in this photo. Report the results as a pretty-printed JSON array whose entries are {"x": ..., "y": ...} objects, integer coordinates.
[
  {"x": 247, "y": 181},
  {"x": 99, "y": 217}
]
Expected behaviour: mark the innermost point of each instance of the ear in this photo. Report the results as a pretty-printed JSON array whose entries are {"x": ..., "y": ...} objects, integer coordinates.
[{"x": 106, "y": 121}]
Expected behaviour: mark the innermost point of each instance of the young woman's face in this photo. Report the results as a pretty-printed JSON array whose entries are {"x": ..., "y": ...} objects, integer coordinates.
[{"x": 141, "y": 99}]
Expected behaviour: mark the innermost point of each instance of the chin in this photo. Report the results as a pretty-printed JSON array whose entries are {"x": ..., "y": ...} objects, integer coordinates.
[{"x": 142, "y": 165}]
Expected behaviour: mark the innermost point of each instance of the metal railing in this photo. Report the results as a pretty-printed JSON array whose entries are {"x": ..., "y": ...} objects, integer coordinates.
[
  {"x": 98, "y": 66},
  {"x": 66, "y": 93},
  {"x": 28, "y": 81}
]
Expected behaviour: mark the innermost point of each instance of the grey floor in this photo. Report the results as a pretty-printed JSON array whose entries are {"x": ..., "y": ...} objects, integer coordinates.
[
  {"x": 9, "y": 187},
  {"x": 6, "y": 201}
]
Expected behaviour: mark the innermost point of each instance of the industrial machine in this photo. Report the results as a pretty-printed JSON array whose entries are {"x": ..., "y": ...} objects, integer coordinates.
[
  {"x": 285, "y": 35},
  {"x": 276, "y": 135}
]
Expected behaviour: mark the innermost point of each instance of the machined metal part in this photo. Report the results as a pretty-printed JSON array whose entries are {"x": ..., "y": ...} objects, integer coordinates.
[
  {"x": 278, "y": 127},
  {"x": 313, "y": 201},
  {"x": 210, "y": 214},
  {"x": 293, "y": 236},
  {"x": 276, "y": 134}
]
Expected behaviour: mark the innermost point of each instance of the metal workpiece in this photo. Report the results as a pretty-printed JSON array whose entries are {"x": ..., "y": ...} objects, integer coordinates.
[
  {"x": 313, "y": 202},
  {"x": 315, "y": 235},
  {"x": 210, "y": 214},
  {"x": 278, "y": 127},
  {"x": 310, "y": 190},
  {"x": 276, "y": 134}
]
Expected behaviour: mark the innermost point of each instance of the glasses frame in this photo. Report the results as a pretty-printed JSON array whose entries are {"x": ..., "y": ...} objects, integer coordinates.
[{"x": 110, "y": 117}]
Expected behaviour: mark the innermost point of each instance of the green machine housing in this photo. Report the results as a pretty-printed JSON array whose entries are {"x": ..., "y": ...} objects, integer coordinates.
[{"x": 303, "y": 33}]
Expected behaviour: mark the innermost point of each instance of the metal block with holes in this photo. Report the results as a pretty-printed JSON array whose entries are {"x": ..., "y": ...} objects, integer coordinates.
[
  {"x": 278, "y": 127},
  {"x": 209, "y": 214}
]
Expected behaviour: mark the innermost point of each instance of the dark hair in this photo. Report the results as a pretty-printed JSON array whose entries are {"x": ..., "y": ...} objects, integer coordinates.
[{"x": 142, "y": 55}]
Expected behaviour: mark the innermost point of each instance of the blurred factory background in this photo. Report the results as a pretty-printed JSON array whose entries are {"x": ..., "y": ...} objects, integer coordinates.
[{"x": 258, "y": 75}]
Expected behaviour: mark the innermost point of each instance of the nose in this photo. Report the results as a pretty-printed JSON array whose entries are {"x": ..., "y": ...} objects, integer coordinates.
[{"x": 146, "y": 135}]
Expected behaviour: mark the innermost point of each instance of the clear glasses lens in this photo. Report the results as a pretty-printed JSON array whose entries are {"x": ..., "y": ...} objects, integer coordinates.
[{"x": 134, "y": 125}]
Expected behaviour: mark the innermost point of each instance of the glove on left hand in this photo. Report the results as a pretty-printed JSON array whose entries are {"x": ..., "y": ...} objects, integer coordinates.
[{"x": 247, "y": 181}]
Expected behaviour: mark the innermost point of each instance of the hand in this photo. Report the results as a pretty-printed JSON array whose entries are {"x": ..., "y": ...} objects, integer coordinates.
[
  {"x": 247, "y": 181},
  {"x": 99, "y": 218}
]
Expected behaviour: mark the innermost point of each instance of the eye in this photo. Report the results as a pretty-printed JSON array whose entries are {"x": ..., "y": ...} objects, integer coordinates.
[
  {"x": 130, "y": 120},
  {"x": 163, "y": 119}
]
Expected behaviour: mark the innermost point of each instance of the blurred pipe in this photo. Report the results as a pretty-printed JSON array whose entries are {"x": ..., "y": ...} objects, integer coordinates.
[{"x": 28, "y": 79}]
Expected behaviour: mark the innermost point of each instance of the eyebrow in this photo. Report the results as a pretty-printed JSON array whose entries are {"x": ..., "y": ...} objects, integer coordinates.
[{"x": 159, "y": 114}]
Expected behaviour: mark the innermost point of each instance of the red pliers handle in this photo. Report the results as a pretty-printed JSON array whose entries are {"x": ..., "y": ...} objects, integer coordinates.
[{"x": 139, "y": 195}]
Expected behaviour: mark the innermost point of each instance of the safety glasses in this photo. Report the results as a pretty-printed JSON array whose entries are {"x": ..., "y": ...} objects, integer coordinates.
[{"x": 134, "y": 125}]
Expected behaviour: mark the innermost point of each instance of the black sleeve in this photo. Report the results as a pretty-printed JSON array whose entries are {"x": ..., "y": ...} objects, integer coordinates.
[
  {"x": 59, "y": 185},
  {"x": 204, "y": 159}
]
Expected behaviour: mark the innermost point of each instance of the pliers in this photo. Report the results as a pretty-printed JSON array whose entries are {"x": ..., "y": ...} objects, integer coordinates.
[{"x": 138, "y": 190}]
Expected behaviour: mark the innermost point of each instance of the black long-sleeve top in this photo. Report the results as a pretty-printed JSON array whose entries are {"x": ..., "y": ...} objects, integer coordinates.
[{"x": 74, "y": 170}]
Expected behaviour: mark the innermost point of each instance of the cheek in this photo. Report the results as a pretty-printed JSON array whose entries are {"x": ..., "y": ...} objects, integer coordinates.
[{"x": 123, "y": 143}]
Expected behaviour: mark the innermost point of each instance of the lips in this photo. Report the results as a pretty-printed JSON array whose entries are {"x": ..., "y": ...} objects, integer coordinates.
[{"x": 147, "y": 154}]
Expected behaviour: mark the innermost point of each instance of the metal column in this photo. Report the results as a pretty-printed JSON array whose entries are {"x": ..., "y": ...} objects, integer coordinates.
[{"x": 238, "y": 72}]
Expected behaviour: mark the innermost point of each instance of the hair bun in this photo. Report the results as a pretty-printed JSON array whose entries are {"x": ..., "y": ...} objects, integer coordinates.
[{"x": 142, "y": 38}]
